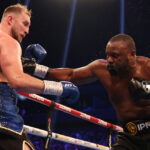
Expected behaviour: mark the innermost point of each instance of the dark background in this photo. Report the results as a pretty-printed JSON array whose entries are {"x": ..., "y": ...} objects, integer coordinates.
[{"x": 94, "y": 22}]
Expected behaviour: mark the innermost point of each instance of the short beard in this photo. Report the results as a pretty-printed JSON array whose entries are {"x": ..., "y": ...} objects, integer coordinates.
[
  {"x": 113, "y": 70},
  {"x": 14, "y": 34},
  {"x": 117, "y": 70}
]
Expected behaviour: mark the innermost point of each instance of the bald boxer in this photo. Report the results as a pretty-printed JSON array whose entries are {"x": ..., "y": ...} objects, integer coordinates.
[
  {"x": 14, "y": 27},
  {"x": 127, "y": 80}
]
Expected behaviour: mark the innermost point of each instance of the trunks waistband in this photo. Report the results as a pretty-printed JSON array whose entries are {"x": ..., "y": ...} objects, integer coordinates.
[
  {"x": 137, "y": 127},
  {"x": 18, "y": 138},
  {"x": 10, "y": 131}
]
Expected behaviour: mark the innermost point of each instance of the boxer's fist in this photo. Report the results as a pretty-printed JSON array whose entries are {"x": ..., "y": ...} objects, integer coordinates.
[
  {"x": 29, "y": 65},
  {"x": 70, "y": 92},
  {"x": 35, "y": 51}
]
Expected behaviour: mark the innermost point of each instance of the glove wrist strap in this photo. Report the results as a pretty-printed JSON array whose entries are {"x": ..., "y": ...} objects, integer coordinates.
[
  {"x": 53, "y": 88},
  {"x": 40, "y": 71}
]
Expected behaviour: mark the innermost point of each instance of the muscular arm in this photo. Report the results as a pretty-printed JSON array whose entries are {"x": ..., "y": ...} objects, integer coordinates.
[
  {"x": 10, "y": 63},
  {"x": 82, "y": 75}
]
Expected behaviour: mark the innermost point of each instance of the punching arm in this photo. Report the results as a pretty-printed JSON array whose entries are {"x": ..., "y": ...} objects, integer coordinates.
[
  {"x": 31, "y": 67},
  {"x": 79, "y": 76}
]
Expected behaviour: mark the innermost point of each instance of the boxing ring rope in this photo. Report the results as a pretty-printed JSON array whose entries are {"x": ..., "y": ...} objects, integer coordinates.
[
  {"x": 63, "y": 138},
  {"x": 71, "y": 111}
]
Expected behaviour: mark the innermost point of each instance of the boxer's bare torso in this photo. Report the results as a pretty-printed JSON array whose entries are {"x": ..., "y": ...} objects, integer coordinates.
[
  {"x": 3, "y": 37},
  {"x": 118, "y": 91}
]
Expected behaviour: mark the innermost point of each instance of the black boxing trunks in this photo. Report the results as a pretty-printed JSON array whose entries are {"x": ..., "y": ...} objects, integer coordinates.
[
  {"x": 136, "y": 136},
  {"x": 10, "y": 140},
  {"x": 137, "y": 127},
  {"x": 125, "y": 141}
]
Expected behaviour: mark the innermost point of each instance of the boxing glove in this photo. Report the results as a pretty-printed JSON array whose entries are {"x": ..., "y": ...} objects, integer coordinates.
[
  {"x": 66, "y": 90},
  {"x": 35, "y": 51},
  {"x": 139, "y": 88},
  {"x": 70, "y": 92},
  {"x": 30, "y": 67}
]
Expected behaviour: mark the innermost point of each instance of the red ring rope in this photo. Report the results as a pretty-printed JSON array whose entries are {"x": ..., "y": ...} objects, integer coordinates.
[{"x": 71, "y": 111}]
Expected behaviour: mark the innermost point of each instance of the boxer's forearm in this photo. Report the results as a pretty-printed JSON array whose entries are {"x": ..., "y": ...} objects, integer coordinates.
[
  {"x": 60, "y": 74},
  {"x": 78, "y": 76},
  {"x": 29, "y": 84},
  {"x": 26, "y": 83},
  {"x": 44, "y": 72}
]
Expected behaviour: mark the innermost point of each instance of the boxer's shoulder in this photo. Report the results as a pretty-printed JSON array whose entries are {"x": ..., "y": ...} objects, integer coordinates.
[
  {"x": 100, "y": 63},
  {"x": 97, "y": 65},
  {"x": 143, "y": 61}
]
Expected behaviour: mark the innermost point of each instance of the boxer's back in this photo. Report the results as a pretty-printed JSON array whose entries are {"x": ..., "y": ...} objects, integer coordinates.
[{"x": 3, "y": 36}]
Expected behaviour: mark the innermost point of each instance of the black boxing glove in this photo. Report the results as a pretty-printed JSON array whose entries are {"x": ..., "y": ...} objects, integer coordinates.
[
  {"x": 139, "y": 88},
  {"x": 30, "y": 67}
]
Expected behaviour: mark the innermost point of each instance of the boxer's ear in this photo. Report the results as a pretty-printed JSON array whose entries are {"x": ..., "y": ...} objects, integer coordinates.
[
  {"x": 133, "y": 52},
  {"x": 9, "y": 20}
]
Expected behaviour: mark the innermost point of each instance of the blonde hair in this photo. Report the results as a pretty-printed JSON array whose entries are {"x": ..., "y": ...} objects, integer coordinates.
[{"x": 17, "y": 8}]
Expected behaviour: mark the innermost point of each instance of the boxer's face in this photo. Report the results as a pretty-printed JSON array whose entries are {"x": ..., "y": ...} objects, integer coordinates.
[
  {"x": 117, "y": 57},
  {"x": 20, "y": 27}
]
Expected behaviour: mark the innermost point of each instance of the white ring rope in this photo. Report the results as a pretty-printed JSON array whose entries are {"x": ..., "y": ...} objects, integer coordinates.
[{"x": 63, "y": 138}]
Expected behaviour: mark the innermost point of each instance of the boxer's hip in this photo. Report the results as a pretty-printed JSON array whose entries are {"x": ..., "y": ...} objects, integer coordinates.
[{"x": 9, "y": 117}]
